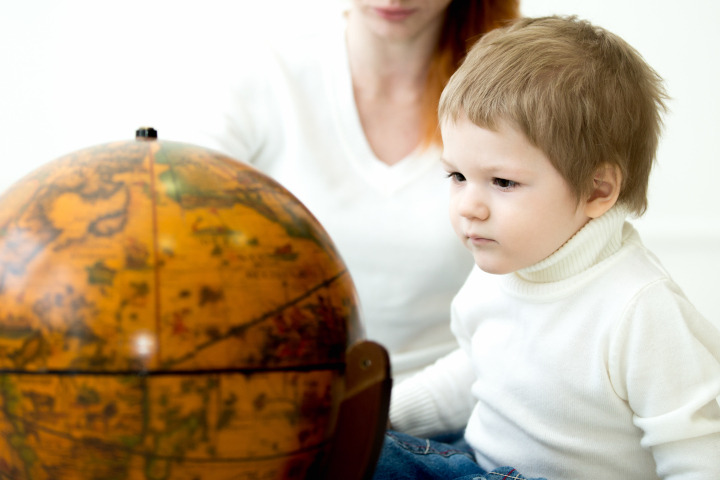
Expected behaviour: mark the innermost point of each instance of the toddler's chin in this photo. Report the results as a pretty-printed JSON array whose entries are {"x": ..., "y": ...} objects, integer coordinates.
[{"x": 493, "y": 268}]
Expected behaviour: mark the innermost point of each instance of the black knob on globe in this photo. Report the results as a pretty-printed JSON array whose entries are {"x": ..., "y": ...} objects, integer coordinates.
[{"x": 145, "y": 132}]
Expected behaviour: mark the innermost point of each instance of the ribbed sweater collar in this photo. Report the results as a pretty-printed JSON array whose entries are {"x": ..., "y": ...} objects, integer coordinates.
[{"x": 599, "y": 239}]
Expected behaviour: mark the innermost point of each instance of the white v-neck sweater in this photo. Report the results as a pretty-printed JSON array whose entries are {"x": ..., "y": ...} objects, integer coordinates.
[
  {"x": 590, "y": 364},
  {"x": 290, "y": 111}
]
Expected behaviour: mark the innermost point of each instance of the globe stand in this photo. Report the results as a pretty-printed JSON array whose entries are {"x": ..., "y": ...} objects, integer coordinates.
[{"x": 363, "y": 413}]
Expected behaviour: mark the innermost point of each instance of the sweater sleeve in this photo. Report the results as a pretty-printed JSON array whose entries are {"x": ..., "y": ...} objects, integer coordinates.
[
  {"x": 665, "y": 362},
  {"x": 230, "y": 109},
  {"x": 437, "y": 399}
]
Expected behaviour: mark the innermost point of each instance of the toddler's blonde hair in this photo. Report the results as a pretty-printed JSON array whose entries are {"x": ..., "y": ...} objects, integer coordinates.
[{"x": 579, "y": 93}]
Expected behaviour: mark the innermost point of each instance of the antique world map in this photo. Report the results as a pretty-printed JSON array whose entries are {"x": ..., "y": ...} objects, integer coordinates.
[{"x": 166, "y": 313}]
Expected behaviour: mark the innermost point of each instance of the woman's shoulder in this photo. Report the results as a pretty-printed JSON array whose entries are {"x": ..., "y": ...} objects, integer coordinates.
[{"x": 307, "y": 49}]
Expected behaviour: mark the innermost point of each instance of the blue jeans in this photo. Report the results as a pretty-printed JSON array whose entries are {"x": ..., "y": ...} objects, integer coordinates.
[{"x": 408, "y": 458}]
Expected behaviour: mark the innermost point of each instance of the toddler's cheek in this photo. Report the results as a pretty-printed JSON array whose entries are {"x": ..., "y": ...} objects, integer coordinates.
[{"x": 460, "y": 235}]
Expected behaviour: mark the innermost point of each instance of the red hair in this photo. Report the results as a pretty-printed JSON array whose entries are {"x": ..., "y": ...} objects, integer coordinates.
[{"x": 465, "y": 22}]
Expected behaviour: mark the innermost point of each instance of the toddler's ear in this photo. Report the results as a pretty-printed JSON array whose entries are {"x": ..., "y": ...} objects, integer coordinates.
[{"x": 606, "y": 189}]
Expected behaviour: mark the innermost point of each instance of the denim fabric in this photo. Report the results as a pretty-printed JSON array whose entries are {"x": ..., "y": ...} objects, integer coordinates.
[
  {"x": 404, "y": 457},
  {"x": 456, "y": 439}
]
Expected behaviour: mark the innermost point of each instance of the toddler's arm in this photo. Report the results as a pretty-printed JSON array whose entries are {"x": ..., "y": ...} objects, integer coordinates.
[
  {"x": 665, "y": 362},
  {"x": 435, "y": 400}
]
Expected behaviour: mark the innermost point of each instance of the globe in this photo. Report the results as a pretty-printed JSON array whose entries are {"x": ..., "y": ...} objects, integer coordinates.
[{"x": 167, "y": 312}]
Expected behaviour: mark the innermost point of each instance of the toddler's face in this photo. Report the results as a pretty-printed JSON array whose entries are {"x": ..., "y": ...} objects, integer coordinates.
[{"x": 508, "y": 204}]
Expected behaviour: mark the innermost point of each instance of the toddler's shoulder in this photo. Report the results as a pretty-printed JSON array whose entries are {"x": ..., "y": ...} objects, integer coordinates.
[
  {"x": 640, "y": 257},
  {"x": 652, "y": 296},
  {"x": 637, "y": 271}
]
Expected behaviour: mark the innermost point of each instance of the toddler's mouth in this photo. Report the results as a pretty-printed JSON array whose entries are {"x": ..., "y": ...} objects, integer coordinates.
[{"x": 475, "y": 240}]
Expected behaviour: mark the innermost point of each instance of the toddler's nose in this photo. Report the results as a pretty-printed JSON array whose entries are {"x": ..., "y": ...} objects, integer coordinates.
[{"x": 473, "y": 206}]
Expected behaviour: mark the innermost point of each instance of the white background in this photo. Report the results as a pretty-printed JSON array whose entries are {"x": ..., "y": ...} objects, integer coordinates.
[{"x": 76, "y": 73}]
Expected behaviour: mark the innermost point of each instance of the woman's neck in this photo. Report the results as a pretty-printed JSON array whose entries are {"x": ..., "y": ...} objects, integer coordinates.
[
  {"x": 388, "y": 77},
  {"x": 388, "y": 67}
]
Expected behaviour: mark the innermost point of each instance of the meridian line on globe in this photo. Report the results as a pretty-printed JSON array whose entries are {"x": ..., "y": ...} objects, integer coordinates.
[
  {"x": 239, "y": 329},
  {"x": 156, "y": 269}
]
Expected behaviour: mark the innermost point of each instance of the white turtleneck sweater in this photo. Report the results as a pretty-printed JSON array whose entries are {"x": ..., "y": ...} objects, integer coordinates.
[{"x": 590, "y": 364}]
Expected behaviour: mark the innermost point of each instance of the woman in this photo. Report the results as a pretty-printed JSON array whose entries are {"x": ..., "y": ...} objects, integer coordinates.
[{"x": 346, "y": 120}]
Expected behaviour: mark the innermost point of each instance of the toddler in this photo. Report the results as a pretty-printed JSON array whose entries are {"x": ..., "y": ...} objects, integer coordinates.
[{"x": 579, "y": 357}]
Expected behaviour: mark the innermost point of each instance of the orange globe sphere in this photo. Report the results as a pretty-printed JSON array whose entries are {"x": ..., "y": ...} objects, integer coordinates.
[{"x": 167, "y": 312}]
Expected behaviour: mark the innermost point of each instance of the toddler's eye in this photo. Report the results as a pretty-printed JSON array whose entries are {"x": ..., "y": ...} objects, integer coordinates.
[
  {"x": 457, "y": 177},
  {"x": 504, "y": 184}
]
